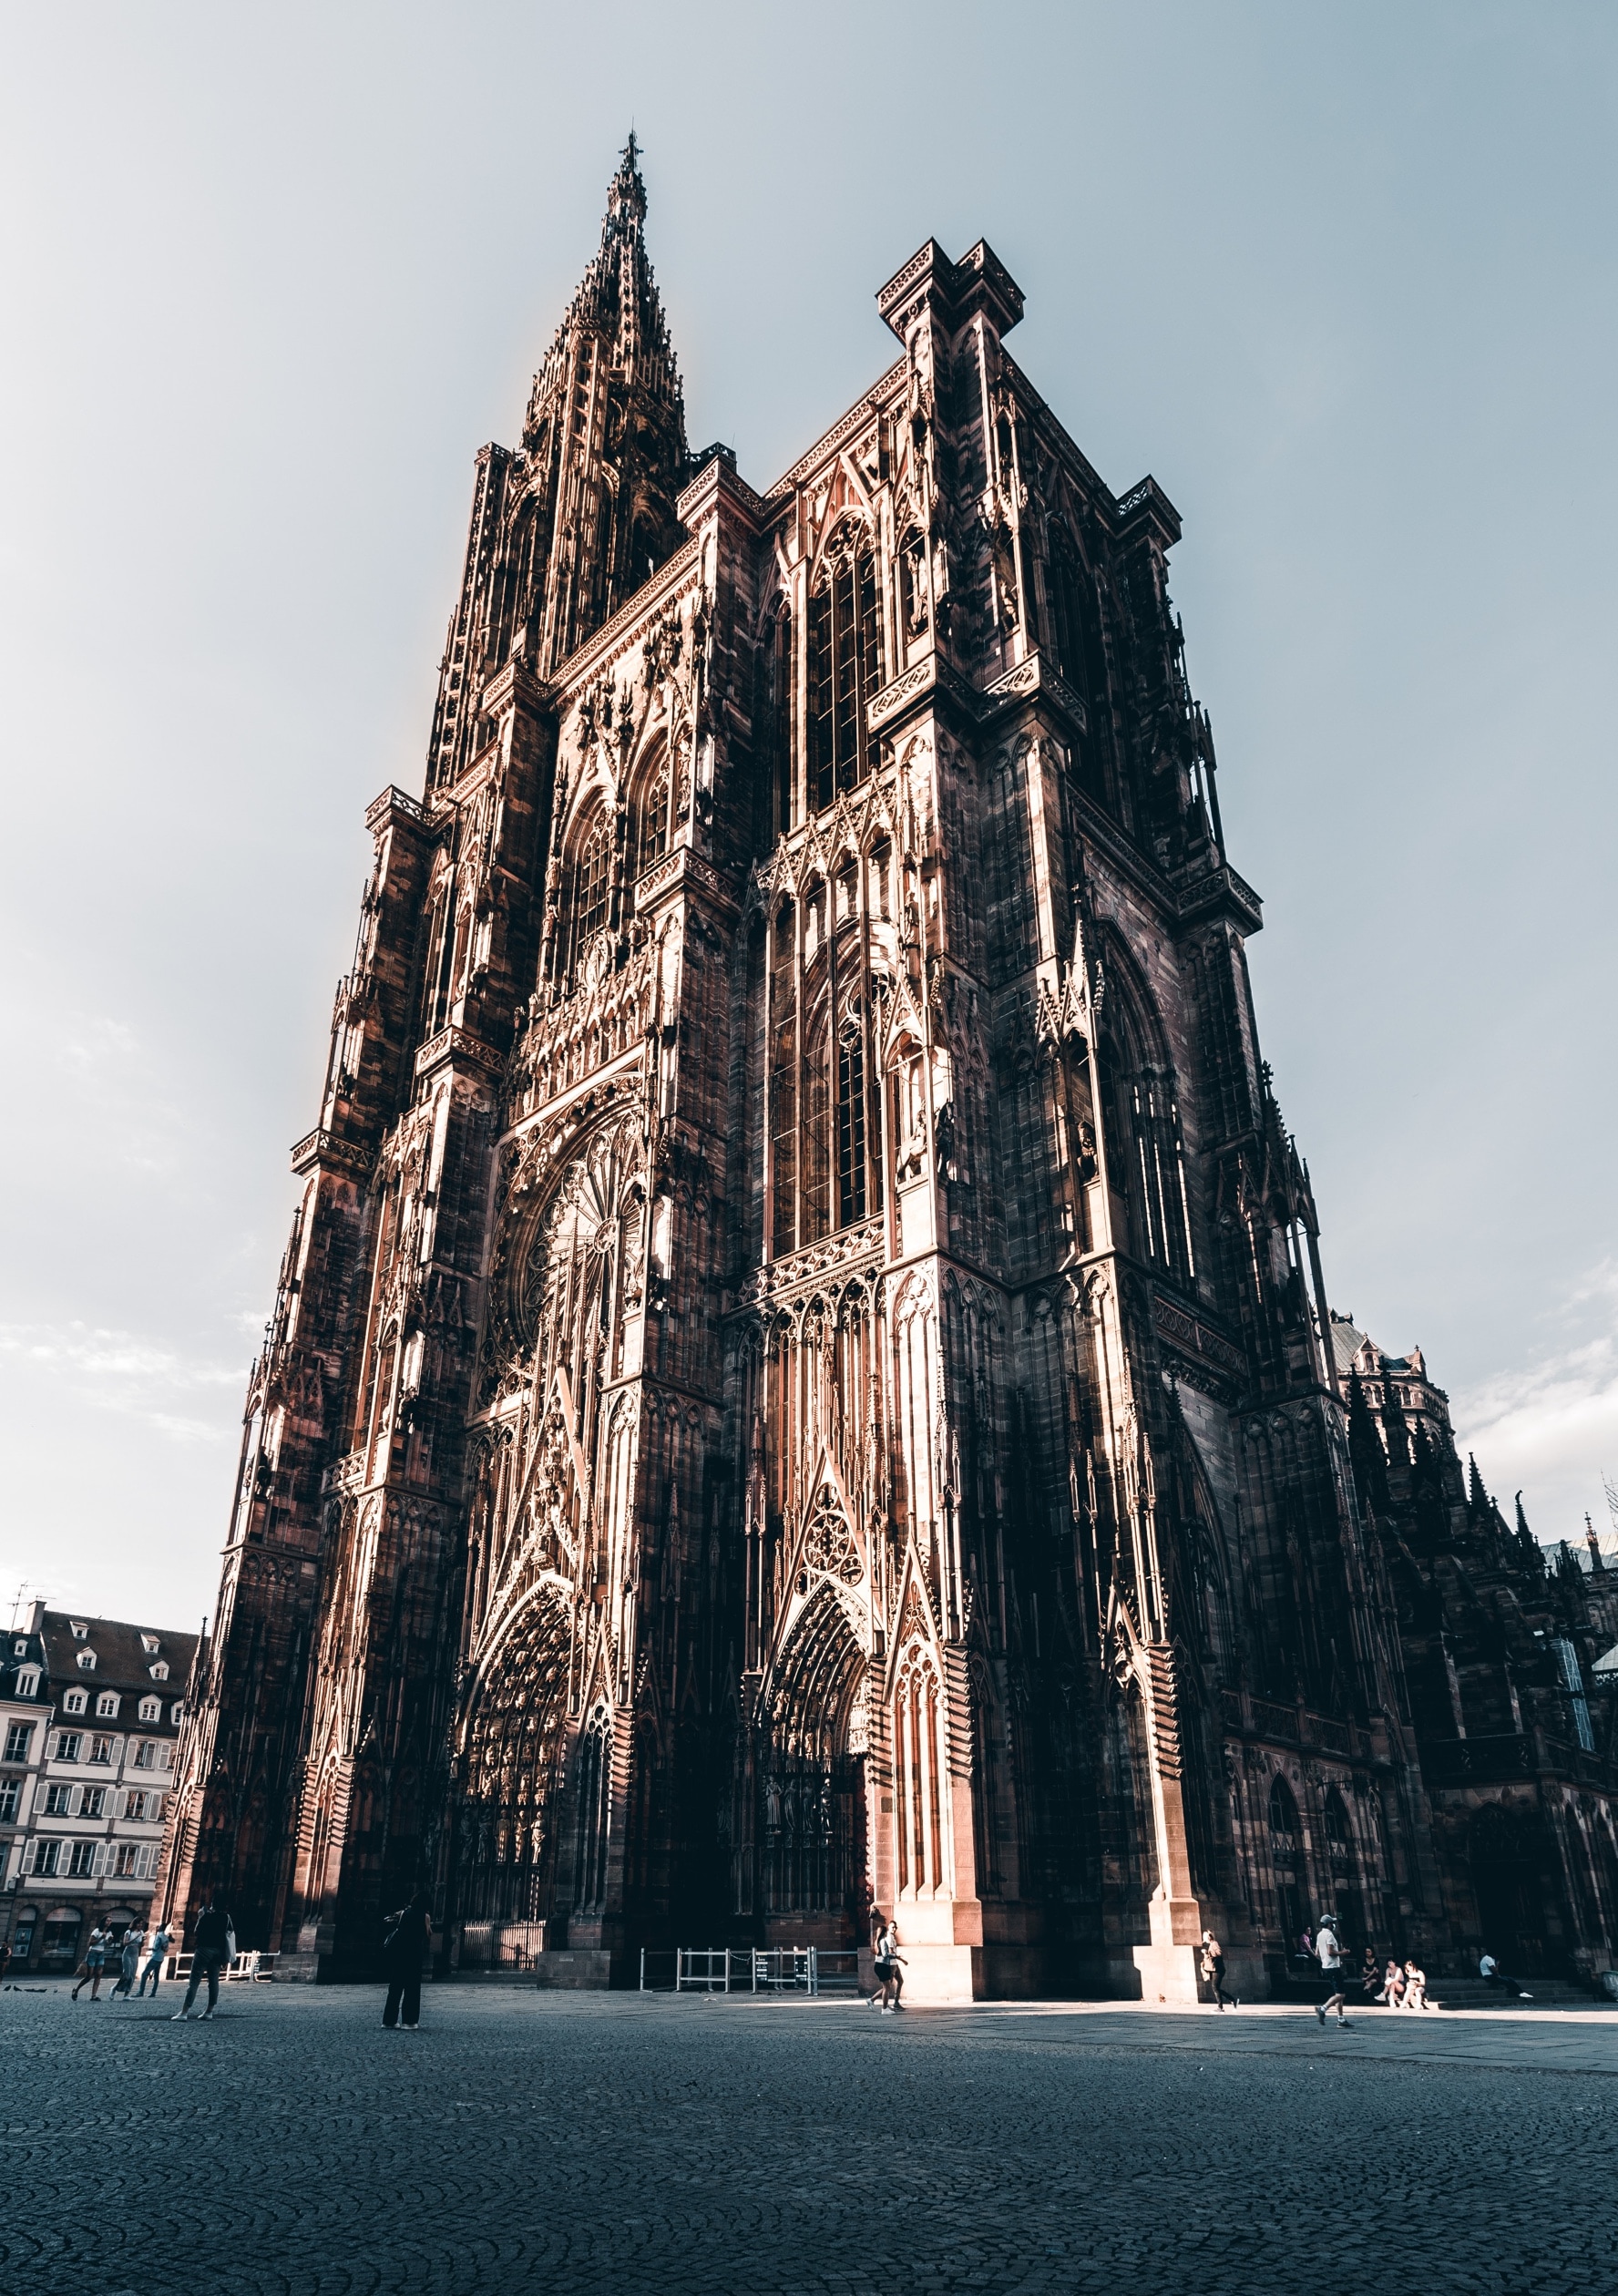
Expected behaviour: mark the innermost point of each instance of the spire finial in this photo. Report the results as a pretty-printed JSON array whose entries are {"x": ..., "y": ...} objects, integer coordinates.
[{"x": 625, "y": 195}]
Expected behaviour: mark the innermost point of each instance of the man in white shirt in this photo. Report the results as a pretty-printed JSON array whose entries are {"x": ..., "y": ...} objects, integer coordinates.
[
  {"x": 1493, "y": 1976},
  {"x": 1330, "y": 1955}
]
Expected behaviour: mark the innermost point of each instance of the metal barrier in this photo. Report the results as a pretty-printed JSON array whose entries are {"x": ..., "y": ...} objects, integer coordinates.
[
  {"x": 704, "y": 1969},
  {"x": 246, "y": 1969},
  {"x": 784, "y": 1969},
  {"x": 776, "y": 1969}
]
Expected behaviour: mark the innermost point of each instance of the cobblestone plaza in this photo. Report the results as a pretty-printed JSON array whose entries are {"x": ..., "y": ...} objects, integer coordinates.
[{"x": 524, "y": 2140}]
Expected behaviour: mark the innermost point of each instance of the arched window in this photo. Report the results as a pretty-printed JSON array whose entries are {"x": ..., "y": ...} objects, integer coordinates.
[
  {"x": 781, "y": 718},
  {"x": 594, "y": 1793},
  {"x": 851, "y": 1122},
  {"x": 589, "y": 883},
  {"x": 651, "y": 824},
  {"x": 1076, "y": 641},
  {"x": 783, "y": 1083},
  {"x": 1287, "y": 1863},
  {"x": 844, "y": 664},
  {"x": 1286, "y": 1836},
  {"x": 918, "y": 1780}
]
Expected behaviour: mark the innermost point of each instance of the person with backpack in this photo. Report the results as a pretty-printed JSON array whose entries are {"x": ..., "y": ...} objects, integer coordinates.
[
  {"x": 406, "y": 1937},
  {"x": 214, "y": 1944}
]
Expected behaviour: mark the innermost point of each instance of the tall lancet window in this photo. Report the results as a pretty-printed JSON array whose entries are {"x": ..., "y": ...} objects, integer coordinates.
[
  {"x": 595, "y": 1807},
  {"x": 844, "y": 664},
  {"x": 589, "y": 883},
  {"x": 851, "y": 1122},
  {"x": 918, "y": 1780}
]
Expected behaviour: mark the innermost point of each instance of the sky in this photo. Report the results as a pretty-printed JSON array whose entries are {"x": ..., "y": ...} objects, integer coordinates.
[{"x": 1341, "y": 279}]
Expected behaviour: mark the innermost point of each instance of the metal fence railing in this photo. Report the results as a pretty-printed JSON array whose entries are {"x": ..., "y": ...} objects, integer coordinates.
[
  {"x": 807, "y": 1970},
  {"x": 247, "y": 1968}
]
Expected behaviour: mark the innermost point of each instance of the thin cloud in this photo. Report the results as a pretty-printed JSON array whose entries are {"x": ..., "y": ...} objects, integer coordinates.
[
  {"x": 122, "y": 1372},
  {"x": 1548, "y": 1428}
]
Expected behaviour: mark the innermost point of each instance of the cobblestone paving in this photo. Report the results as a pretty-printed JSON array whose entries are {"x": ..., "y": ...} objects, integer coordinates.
[{"x": 536, "y": 2141}]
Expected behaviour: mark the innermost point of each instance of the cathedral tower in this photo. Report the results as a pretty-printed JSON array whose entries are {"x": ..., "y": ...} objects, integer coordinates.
[{"x": 802, "y": 1379}]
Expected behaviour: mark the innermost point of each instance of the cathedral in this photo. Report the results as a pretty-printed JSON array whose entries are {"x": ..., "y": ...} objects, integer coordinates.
[{"x": 802, "y": 1378}]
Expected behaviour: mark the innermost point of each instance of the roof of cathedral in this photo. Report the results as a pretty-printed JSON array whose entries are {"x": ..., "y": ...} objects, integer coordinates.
[
  {"x": 617, "y": 298},
  {"x": 1348, "y": 1341}
]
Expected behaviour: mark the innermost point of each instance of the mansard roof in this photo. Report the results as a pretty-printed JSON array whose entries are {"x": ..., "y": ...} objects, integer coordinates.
[{"x": 123, "y": 1662}]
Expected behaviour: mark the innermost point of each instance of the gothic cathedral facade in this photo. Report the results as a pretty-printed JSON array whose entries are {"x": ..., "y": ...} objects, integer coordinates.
[{"x": 802, "y": 1376}]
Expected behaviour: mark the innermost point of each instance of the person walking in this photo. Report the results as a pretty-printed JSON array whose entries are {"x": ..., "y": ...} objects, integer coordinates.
[
  {"x": 1212, "y": 1969},
  {"x": 1330, "y": 1955},
  {"x": 128, "y": 1963},
  {"x": 406, "y": 1938},
  {"x": 878, "y": 1957},
  {"x": 94, "y": 1961},
  {"x": 890, "y": 1968},
  {"x": 162, "y": 1937},
  {"x": 213, "y": 1943}
]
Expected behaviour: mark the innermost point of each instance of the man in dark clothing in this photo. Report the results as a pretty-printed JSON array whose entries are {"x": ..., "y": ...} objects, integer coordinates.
[
  {"x": 210, "y": 1949},
  {"x": 406, "y": 1937}
]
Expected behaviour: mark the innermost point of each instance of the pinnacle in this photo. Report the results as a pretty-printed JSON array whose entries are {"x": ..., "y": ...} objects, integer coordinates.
[{"x": 626, "y": 194}]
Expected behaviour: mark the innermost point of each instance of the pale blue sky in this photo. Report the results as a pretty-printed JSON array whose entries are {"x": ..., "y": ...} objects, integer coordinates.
[{"x": 1342, "y": 278}]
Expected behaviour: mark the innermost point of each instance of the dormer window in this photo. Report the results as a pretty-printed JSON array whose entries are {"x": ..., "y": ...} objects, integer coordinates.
[
  {"x": 75, "y": 1702},
  {"x": 151, "y": 1644},
  {"x": 27, "y": 1681},
  {"x": 177, "y": 1712},
  {"x": 107, "y": 1705},
  {"x": 86, "y": 1662},
  {"x": 19, "y": 1649},
  {"x": 80, "y": 1630},
  {"x": 160, "y": 1672},
  {"x": 151, "y": 1709}
]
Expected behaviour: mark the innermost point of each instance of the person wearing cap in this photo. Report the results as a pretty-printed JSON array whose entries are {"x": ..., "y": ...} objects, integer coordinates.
[{"x": 1330, "y": 1955}]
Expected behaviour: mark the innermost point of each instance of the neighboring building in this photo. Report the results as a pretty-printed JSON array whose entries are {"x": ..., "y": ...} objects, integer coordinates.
[
  {"x": 91, "y": 1711},
  {"x": 1500, "y": 1645},
  {"x": 801, "y": 1374}
]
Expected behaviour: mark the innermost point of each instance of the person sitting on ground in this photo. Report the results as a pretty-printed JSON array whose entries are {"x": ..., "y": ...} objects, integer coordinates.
[
  {"x": 1393, "y": 1984},
  {"x": 1369, "y": 1978},
  {"x": 1496, "y": 1979},
  {"x": 1306, "y": 1944},
  {"x": 1415, "y": 1988}
]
